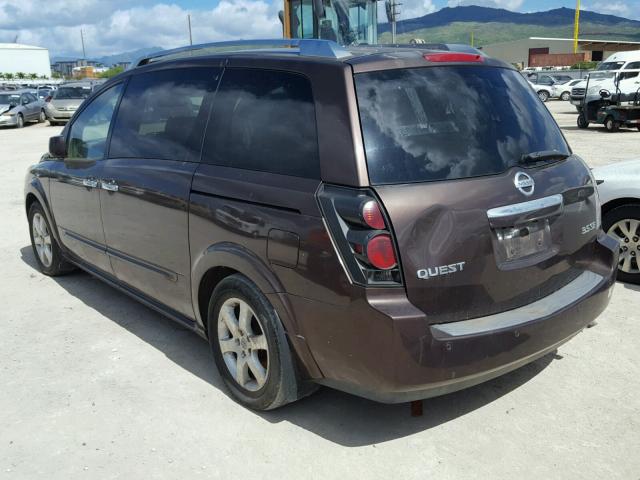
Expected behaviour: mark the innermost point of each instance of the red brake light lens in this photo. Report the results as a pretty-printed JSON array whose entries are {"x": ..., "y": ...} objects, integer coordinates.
[
  {"x": 454, "y": 57},
  {"x": 48, "y": 99},
  {"x": 372, "y": 215},
  {"x": 380, "y": 252}
]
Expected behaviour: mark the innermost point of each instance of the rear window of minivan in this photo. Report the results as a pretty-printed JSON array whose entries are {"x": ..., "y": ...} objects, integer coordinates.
[{"x": 450, "y": 122}]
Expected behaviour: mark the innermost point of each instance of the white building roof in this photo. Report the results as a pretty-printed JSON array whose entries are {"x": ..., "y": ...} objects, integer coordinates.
[
  {"x": 587, "y": 40},
  {"x": 19, "y": 46}
]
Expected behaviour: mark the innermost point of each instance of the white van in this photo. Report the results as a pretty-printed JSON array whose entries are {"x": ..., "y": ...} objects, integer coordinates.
[{"x": 614, "y": 63}]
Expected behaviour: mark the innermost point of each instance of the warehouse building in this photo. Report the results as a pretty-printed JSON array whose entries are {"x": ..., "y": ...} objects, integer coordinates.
[
  {"x": 28, "y": 59},
  {"x": 555, "y": 52}
]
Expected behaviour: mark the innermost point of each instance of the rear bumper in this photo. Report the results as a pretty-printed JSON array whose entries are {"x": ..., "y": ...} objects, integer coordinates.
[{"x": 403, "y": 358}]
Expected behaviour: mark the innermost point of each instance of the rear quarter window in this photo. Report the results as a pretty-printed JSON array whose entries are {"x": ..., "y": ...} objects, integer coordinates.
[
  {"x": 450, "y": 122},
  {"x": 264, "y": 120}
]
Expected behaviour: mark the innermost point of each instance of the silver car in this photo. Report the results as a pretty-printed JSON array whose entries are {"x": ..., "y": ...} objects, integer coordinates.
[
  {"x": 20, "y": 106},
  {"x": 66, "y": 100}
]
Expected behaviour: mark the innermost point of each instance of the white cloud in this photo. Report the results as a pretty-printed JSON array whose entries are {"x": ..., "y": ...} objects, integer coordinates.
[
  {"x": 123, "y": 29},
  {"x": 413, "y": 8},
  {"x": 507, "y": 4},
  {"x": 621, "y": 9}
]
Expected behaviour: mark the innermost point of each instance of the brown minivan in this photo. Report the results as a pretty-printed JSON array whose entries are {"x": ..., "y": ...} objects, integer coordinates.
[{"x": 398, "y": 223}]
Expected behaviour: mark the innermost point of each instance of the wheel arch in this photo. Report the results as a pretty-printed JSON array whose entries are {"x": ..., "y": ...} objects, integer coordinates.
[
  {"x": 35, "y": 192},
  {"x": 619, "y": 202},
  {"x": 219, "y": 261}
]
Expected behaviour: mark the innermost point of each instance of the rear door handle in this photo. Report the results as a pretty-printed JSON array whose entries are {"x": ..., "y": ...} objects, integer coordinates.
[
  {"x": 109, "y": 185},
  {"x": 90, "y": 182}
]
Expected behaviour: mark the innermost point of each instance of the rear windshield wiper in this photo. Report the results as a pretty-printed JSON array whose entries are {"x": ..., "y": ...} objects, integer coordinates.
[{"x": 543, "y": 156}]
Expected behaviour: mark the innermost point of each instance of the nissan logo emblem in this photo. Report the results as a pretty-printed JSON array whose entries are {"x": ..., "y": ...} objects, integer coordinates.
[{"x": 524, "y": 183}]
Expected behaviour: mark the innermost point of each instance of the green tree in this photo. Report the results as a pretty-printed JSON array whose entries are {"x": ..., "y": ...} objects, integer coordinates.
[
  {"x": 112, "y": 72},
  {"x": 9, "y": 76},
  {"x": 584, "y": 66},
  {"x": 33, "y": 76},
  {"x": 2, "y": 77},
  {"x": 21, "y": 75}
]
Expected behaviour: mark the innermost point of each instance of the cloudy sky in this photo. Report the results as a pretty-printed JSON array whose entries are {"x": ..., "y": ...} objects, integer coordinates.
[{"x": 114, "y": 26}]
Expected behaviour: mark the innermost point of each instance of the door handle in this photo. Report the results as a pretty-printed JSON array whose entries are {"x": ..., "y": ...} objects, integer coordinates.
[
  {"x": 109, "y": 185},
  {"x": 90, "y": 182}
]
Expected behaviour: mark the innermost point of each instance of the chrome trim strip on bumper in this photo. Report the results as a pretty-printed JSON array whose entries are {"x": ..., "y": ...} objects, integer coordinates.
[
  {"x": 526, "y": 211},
  {"x": 545, "y": 307}
]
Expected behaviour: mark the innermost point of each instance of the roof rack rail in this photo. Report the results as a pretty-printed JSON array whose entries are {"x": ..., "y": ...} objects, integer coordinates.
[{"x": 306, "y": 47}]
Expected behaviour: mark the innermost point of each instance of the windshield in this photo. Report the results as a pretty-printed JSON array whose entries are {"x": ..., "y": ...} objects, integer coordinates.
[
  {"x": 440, "y": 123},
  {"x": 610, "y": 65},
  {"x": 70, "y": 93},
  {"x": 9, "y": 98},
  {"x": 348, "y": 22}
]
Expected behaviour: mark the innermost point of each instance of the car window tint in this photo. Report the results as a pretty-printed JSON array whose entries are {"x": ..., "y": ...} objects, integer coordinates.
[
  {"x": 88, "y": 134},
  {"x": 632, "y": 66},
  {"x": 264, "y": 120},
  {"x": 163, "y": 113},
  {"x": 32, "y": 97}
]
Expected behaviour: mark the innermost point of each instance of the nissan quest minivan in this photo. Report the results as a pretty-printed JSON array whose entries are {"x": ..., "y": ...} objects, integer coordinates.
[{"x": 398, "y": 223}]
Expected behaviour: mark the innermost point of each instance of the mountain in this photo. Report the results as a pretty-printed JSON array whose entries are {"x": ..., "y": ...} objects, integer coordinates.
[
  {"x": 495, "y": 24},
  {"x": 113, "y": 59}
]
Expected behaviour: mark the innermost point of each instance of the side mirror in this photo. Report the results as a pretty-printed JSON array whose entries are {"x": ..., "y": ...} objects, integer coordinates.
[
  {"x": 57, "y": 146},
  {"x": 605, "y": 93}
]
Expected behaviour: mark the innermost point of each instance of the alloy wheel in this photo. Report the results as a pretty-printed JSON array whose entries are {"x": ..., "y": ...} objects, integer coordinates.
[
  {"x": 627, "y": 232},
  {"x": 42, "y": 240},
  {"x": 243, "y": 344}
]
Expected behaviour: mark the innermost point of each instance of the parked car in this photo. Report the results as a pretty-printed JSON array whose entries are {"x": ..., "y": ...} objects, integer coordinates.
[
  {"x": 544, "y": 92},
  {"x": 65, "y": 101},
  {"x": 619, "y": 190},
  {"x": 563, "y": 90},
  {"x": 397, "y": 223},
  {"x": 20, "y": 106}
]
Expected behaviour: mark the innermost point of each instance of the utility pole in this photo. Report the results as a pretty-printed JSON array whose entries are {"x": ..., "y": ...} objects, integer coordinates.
[
  {"x": 472, "y": 39},
  {"x": 576, "y": 27},
  {"x": 395, "y": 13},
  {"x": 189, "y": 22},
  {"x": 84, "y": 53}
]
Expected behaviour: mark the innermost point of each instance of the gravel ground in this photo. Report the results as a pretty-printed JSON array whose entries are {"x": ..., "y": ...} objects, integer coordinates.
[{"x": 98, "y": 386}]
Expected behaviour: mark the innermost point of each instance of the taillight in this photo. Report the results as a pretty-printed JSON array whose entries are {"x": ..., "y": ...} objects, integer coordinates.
[
  {"x": 380, "y": 252},
  {"x": 372, "y": 215},
  {"x": 454, "y": 57},
  {"x": 361, "y": 234},
  {"x": 48, "y": 99}
]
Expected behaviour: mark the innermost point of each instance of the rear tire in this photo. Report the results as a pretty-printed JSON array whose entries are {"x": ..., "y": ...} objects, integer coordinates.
[
  {"x": 582, "y": 121},
  {"x": 626, "y": 215},
  {"x": 42, "y": 117},
  {"x": 19, "y": 121},
  {"x": 565, "y": 97},
  {"x": 543, "y": 95},
  {"x": 611, "y": 125},
  {"x": 45, "y": 248},
  {"x": 250, "y": 347}
]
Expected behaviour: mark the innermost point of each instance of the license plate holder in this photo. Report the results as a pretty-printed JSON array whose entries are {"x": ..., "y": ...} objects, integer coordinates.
[{"x": 523, "y": 242}]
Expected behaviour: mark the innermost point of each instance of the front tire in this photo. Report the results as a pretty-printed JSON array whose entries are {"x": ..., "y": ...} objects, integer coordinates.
[
  {"x": 19, "y": 121},
  {"x": 249, "y": 346},
  {"x": 623, "y": 224},
  {"x": 565, "y": 97},
  {"x": 582, "y": 121},
  {"x": 42, "y": 117},
  {"x": 45, "y": 248}
]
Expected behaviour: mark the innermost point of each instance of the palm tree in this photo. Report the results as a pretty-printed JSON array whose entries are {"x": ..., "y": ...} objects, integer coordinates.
[
  {"x": 2, "y": 77},
  {"x": 21, "y": 75},
  {"x": 33, "y": 76},
  {"x": 8, "y": 76}
]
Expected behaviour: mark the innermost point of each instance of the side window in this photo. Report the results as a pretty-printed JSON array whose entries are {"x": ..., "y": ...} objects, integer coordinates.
[
  {"x": 89, "y": 132},
  {"x": 264, "y": 120},
  {"x": 163, "y": 113},
  {"x": 632, "y": 66},
  {"x": 31, "y": 98}
]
